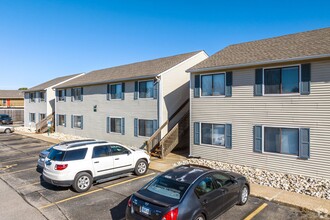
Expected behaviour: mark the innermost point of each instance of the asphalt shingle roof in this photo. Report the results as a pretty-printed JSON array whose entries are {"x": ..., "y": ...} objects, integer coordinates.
[
  {"x": 11, "y": 94},
  {"x": 299, "y": 45},
  {"x": 50, "y": 83},
  {"x": 137, "y": 70}
]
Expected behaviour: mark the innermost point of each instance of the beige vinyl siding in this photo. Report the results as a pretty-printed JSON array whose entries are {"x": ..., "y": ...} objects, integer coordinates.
[
  {"x": 94, "y": 123},
  {"x": 243, "y": 111}
]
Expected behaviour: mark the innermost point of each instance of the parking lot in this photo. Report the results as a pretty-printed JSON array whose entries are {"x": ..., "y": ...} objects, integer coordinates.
[{"x": 18, "y": 158}]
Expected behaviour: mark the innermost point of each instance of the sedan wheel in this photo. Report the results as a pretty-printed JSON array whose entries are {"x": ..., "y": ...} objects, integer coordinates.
[
  {"x": 244, "y": 195},
  {"x": 7, "y": 131},
  {"x": 141, "y": 167},
  {"x": 200, "y": 217}
]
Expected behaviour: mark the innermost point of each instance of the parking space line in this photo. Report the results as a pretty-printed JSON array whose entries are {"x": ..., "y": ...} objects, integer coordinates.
[
  {"x": 255, "y": 212},
  {"x": 96, "y": 190},
  {"x": 17, "y": 171}
]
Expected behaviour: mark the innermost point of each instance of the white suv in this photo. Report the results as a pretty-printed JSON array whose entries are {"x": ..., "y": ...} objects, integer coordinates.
[{"x": 80, "y": 164}]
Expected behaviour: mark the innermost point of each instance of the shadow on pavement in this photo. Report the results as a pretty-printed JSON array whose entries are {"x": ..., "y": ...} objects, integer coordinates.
[{"x": 118, "y": 212}]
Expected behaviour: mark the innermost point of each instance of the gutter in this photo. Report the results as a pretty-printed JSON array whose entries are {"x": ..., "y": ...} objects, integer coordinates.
[
  {"x": 237, "y": 66},
  {"x": 107, "y": 81}
]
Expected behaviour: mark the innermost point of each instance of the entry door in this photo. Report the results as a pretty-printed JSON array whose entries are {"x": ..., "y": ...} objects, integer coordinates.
[
  {"x": 102, "y": 160},
  {"x": 122, "y": 158}
]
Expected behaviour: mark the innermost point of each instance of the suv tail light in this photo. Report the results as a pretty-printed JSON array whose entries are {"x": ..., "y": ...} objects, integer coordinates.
[
  {"x": 171, "y": 215},
  {"x": 61, "y": 166},
  {"x": 129, "y": 204}
]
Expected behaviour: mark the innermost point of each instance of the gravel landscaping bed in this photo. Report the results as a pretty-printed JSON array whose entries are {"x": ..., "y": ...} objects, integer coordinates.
[
  {"x": 293, "y": 183},
  {"x": 55, "y": 135}
]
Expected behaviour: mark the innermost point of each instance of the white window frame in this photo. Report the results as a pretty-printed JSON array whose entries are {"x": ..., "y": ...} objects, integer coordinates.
[
  {"x": 79, "y": 128},
  {"x": 146, "y": 97},
  {"x": 44, "y": 99},
  {"x": 64, "y": 119},
  {"x": 212, "y": 145},
  {"x": 112, "y": 84},
  {"x": 211, "y": 96},
  {"x": 63, "y": 93},
  {"x": 34, "y": 94},
  {"x": 275, "y": 153},
  {"x": 145, "y": 119},
  {"x": 34, "y": 117},
  {"x": 74, "y": 99},
  {"x": 281, "y": 94},
  {"x": 121, "y": 126},
  {"x": 42, "y": 114}
]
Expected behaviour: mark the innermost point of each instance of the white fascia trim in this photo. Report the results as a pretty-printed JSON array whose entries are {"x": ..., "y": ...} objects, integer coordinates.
[
  {"x": 220, "y": 68},
  {"x": 52, "y": 87},
  {"x": 186, "y": 60}
]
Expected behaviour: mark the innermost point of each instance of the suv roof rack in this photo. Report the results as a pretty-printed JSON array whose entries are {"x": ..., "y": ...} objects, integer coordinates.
[
  {"x": 195, "y": 165},
  {"x": 75, "y": 141},
  {"x": 85, "y": 143}
]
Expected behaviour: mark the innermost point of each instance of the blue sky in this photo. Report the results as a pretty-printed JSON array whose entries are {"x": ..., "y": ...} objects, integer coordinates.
[{"x": 44, "y": 39}]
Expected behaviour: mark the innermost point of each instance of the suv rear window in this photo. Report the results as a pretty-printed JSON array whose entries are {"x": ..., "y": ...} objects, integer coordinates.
[
  {"x": 168, "y": 188},
  {"x": 59, "y": 155}
]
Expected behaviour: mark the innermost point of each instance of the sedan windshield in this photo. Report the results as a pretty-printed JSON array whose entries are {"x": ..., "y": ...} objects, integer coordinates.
[{"x": 168, "y": 188}]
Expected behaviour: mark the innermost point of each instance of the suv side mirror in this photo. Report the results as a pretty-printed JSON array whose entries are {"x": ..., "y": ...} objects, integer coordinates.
[{"x": 128, "y": 152}]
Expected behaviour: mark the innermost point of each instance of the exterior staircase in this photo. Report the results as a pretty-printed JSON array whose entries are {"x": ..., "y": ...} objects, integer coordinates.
[
  {"x": 177, "y": 138},
  {"x": 41, "y": 126}
]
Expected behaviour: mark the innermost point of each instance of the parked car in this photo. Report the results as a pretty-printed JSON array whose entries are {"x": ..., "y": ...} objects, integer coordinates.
[
  {"x": 43, "y": 154},
  {"x": 6, "y": 129},
  {"x": 81, "y": 164},
  {"x": 188, "y": 192},
  {"x": 5, "y": 119}
]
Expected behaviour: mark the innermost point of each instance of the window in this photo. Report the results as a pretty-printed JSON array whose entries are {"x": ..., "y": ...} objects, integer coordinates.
[
  {"x": 146, "y": 89},
  {"x": 60, "y": 155},
  {"x": 32, "y": 117},
  {"x": 205, "y": 186},
  {"x": 146, "y": 127},
  {"x": 116, "y": 91},
  {"x": 281, "y": 80},
  {"x": 61, "y": 120},
  {"x": 168, "y": 187},
  {"x": 213, "y": 85},
  {"x": 115, "y": 125},
  {"x": 76, "y": 94},
  {"x": 4, "y": 101},
  {"x": 78, "y": 154},
  {"x": 213, "y": 134},
  {"x": 118, "y": 150},
  {"x": 222, "y": 180},
  {"x": 101, "y": 151},
  {"x": 32, "y": 96},
  {"x": 281, "y": 140},
  {"x": 42, "y": 96},
  {"x": 78, "y": 121},
  {"x": 61, "y": 95},
  {"x": 42, "y": 116}
]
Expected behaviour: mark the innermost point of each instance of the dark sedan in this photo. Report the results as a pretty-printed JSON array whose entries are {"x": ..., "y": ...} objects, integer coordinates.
[{"x": 188, "y": 192}]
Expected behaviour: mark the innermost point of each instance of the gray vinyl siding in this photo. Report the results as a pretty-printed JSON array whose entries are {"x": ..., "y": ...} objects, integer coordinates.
[
  {"x": 244, "y": 110},
  {"x": 33, "y": 107},
  {"x": 94, "y": 123}
]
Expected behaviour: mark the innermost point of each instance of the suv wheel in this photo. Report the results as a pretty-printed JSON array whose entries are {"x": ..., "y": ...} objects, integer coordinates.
[
  {"x": 141, "y": 167},
  {"x": 82, "y": 182}
]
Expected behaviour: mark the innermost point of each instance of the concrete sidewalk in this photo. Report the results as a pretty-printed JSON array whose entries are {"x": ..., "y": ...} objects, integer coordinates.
[
  {"x": 15, "y": 206},
  {"x": 269, "y": 193}
]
